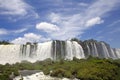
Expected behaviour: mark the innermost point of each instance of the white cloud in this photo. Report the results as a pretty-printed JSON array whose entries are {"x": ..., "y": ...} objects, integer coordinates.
[
  {"x": 55, "y": 18},
  {"x": 94, "y": 21},
  {"x": 19, "y": 40},
  {"x": 100, "y": 7},
  {"x": 3, "y": 31},
  {"x": 28, "y": 37},
  {"x": 74, "y": 25},
  {"x": 15, "y": 10},
  {"x": 32, "y": 36},
  {"x": 47, "y": 27},
  {"x": 13, "y": 7},
  {"x": 19, "y": 30},
  {"x": 63, "y": 25},
  {"x": 6, "y": 32}
]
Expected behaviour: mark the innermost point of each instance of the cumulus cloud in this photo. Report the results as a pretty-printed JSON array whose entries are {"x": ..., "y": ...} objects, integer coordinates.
[
  {"x": 94, "y": 21},
  {"x": 74, "y": 25},
  {"x": 28, "y": 37},
  {"x": 32, "y": 36},
  {"x": 19, "y": 40},
  {"x": 47, "y": 27},
  {"x": 69, "y": 24}
]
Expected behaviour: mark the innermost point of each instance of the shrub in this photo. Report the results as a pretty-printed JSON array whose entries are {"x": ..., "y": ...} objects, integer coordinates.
[
  {"x": 58, "y": 72},
  {"x": 68, "y": 74}
]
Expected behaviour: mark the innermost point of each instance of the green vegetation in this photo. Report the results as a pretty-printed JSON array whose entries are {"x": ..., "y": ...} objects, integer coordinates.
[
  {"x": 4, "y": 42},
  {"x": 84, "y": 69}
]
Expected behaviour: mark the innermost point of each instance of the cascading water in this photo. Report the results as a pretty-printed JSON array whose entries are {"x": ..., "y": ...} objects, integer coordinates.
[
  {"x": 27, "y": 51},
  {"x": 78, "y": 50},
  {"x": 55, "y": 55},
  {"x": 44, "y": 51},
  {"x": 105, "y": 50},
  {"x": 73, "y": 49},
  {"x": 9, "y": 54},
  {"x": 69, "y": 49},
  {"x": 56, "y": 50},
  {"x": 117, "y": 52},
  {"x": 100, "y": 49},
  {"x": 95, "y": 50},
  {"x": 88, "y": 48}
]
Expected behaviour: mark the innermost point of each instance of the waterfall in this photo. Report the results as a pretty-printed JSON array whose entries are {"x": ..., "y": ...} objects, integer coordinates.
[
  {"x": 88, "y": 48},
  {"x": 56, "y": 50},
  {"x": 44, "y": 51},
  {"x": 55, "y": 55},
  {"x": 105, "y": 50},
  {"x": 28, "y": 51},
  {"x": 62, "y": 47},
  {"x": 94, "y": 50},
  {"x": 69, "y": 49},
  {"x": 9, "y": 54},
  {"x": 78, "y": 50},
  {"x": 117, "y": 52},
  {"x": 112, "y": 53},
  {"x": 73, "y": 49}
]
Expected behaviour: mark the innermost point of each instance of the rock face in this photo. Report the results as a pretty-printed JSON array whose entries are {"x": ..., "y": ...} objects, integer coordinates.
[{"x": 56, "y": 50}]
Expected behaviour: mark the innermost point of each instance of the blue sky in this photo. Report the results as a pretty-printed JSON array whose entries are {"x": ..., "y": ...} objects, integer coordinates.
[{"x": 43, "y": 20}]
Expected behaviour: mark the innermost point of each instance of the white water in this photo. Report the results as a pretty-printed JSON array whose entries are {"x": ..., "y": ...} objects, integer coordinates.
[
  {"x": 95, "y": 50},
  {"x": 55, "y": 55},
  {"x": 105, "y": 51},
  {"x": 17, "y": 53},
  {"x": 78, "y": 50},
  {"x": 28, "y": 51},
  {"x": 88, "y": 48},
  {"x": 9, "y": 54},
  {"x": 39, "y": 76},
  {"x": 117, "y": 53},
  {"x": 44, "y": 51},
  {"x": 69, "y": 49},
  {"x": 62, "y": 51},
  {"x": 73, "y": 49},
  {"x": 113, "y": 54}
]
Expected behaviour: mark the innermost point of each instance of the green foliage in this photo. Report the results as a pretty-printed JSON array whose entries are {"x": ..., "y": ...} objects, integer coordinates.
[
  {"x": 68, "y": 74},
  {"x": 4, "y": 42},
  {"x": 83, "y": 69},
  {"x": 46, "y": 71},
  {"x": 59, "y": 72}
]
